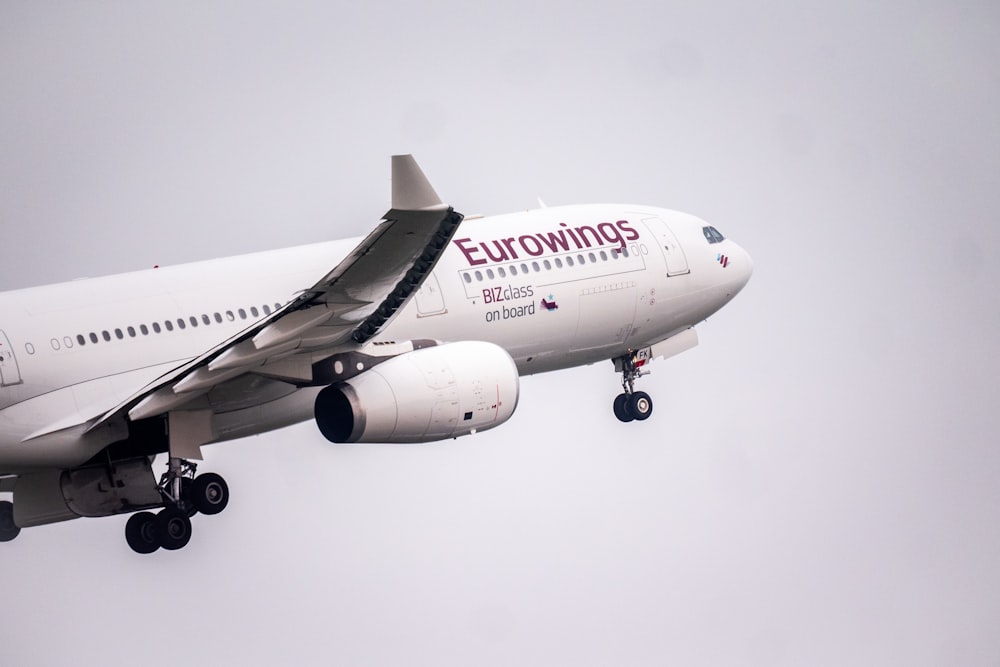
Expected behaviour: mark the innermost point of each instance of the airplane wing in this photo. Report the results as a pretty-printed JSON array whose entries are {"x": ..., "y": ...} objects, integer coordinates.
[{"x": 346, "y": 308}]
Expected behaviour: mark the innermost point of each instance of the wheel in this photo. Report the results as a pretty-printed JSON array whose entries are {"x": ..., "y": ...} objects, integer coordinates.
[
  {"x": 621, "y": 408},
  {"x": 173, "y": 528},
  {"x": 209, "y": 493},
  {"x": 640, "y": 405},
  {"x": 8, "y": 529},
  {"x": 140, "y": 533}
]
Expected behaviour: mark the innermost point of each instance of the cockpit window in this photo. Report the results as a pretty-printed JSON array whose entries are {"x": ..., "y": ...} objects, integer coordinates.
[{"x": 712, "y": 234}]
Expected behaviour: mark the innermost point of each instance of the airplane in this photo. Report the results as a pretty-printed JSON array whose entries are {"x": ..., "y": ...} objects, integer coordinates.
[{"x": 418, "y": 332}]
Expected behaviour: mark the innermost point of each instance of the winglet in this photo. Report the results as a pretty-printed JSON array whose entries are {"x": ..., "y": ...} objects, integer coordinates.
[{"x": 411, "y": 191}]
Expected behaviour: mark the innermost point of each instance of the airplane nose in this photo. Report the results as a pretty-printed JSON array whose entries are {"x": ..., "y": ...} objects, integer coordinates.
[{"x": 745, "y": 269}]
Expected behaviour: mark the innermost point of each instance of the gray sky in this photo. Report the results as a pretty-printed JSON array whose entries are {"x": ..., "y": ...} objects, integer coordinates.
[{"x": 819, "y": 482}]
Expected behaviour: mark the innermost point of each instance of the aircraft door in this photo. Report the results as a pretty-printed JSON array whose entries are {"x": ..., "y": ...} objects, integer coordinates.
[
  {"x": 9, "y": 372},
  {"x": 673, "y": 253},
  {"x": 607, "y": 314},
  {"x": 430, "y": 300}
]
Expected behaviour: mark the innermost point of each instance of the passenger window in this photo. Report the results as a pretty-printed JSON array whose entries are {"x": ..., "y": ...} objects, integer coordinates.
[
  {"x": 559, "y": 264},
  {"x": 593, "y": 257},
  {"x": 193, "y": 320},
  {"x": 230, "y": 316},
  {"x": 93, "y": 337},
  {"x": 569, "y": 261},
  {"x": 206, "y": 320},
  {"x": 467, "y": 277},
  {"x": 156, "y": 327},
  {"x": 131, "y": 332},
  {"x": 144, "y": 329},
  {"x": 513, "y": 270},
  {"x": 534, "y": 265},
  {"x": 180, "y": 323},
  {"x": 524, "y": 269},
  {"x": 254, "y": 311},
  {"x": 501, "y": 272},
  {"x": 106, "y": 336},
  {"x": 489, "y": 273},
  {"x": 218, "y": 318},
  {"x": 118, "y": 334},
  {"x": 242, "y": 313},
  {"x": 68, "y": 342},
  {"x": 604, "y": 256},
  {"x": 547, "y": 264},
  {"x": 267, "y": 308},
  {"x": 169, "y": 325},
  {"x": 80, "y": 339}
]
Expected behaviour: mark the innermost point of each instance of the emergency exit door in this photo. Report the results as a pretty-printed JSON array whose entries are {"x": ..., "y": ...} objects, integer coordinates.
[
  {"x": 9, "y": 372},
  {"x": 430, "y": 300}
]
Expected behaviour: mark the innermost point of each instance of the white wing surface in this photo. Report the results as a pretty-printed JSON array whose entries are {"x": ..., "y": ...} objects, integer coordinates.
[{"x": 343, "y": 310}]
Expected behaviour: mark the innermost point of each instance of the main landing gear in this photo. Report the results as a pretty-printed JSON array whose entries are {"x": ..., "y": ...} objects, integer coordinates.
[
  {"x": 184, "y": 495},
  {"x": 630, "y": 404}
]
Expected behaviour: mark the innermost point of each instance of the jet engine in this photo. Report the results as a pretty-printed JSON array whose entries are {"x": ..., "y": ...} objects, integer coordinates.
[{"x": 429, "y": 394}]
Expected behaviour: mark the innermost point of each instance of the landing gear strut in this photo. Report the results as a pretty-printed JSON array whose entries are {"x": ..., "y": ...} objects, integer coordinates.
[
  {"x": 184, "y": 495},
  {"x": 630, "y": 404}
]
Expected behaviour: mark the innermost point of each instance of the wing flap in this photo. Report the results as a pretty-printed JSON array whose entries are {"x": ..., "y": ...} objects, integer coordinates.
[
  {"x": 161, "y": 401},
  {"x": 288, "y": 328}
]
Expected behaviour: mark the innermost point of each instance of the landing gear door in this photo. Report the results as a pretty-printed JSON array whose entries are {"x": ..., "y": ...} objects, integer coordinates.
[
  {"x": 673, "y": 253},
  {"x": 9, "y": 372}
]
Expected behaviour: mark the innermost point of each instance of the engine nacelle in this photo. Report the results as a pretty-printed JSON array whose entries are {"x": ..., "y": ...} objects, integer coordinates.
[{"x": 421, "y": 396}]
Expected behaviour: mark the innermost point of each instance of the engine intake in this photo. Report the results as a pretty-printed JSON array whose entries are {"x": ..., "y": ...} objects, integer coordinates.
[{"x": 429, "y": 394}]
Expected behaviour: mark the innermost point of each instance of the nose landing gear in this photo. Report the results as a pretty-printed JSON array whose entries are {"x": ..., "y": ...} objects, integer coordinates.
[{"x": 630, "y": 404}]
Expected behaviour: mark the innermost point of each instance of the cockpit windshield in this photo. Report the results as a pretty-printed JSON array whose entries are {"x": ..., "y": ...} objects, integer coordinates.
[{"x": 712, "y": 235}]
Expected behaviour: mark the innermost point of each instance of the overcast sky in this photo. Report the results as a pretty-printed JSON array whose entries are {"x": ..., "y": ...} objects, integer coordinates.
[{"x": 819, "y": 482}]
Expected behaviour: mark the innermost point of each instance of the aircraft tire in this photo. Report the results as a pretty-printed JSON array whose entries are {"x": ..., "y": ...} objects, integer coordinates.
[
  {"x": 621, "y": 408},
  {"x": 140, "y": 533},
  {"x": 640, "y": 405},
  {"x": 209, "y": 493},
  {"x": 173, "y": 528},
  {"x": 8, "y": 529}
]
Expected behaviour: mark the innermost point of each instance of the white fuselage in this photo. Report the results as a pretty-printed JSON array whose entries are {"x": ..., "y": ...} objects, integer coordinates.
[{"x": 555, "y": 287}]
